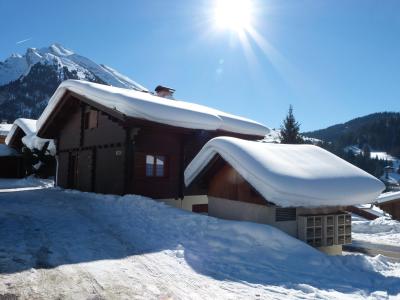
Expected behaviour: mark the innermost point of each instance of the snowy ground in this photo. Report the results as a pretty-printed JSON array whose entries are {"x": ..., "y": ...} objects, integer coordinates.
[
  {"x": 382, "y": 231},
  {"x": 57, "y": 244}
]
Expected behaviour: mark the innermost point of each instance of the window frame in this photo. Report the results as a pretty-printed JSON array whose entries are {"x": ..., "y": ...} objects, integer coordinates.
[
  {"x": 154, "y": 165},
  {"x": 88, "y": 119}
]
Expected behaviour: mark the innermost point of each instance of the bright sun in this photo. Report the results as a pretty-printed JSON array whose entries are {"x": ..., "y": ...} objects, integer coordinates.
[{"x": 234, "y": 15}]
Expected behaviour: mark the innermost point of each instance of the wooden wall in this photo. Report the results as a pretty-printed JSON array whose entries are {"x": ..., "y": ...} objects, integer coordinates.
[
  {"x": 112, "y": 157},
  {"x": 392, "y": 208},
  {"x": 229, "y": 184},
  {"x": 99, "y": 153}
]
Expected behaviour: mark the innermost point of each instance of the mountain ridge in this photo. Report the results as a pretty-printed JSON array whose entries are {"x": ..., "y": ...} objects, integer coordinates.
[{"x": 28, "y": 81}]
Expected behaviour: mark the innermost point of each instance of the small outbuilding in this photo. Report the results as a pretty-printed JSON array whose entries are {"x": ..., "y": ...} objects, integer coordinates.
[
  {"x": 37, "y": 153},
  {"x": 301, "y": 189}
]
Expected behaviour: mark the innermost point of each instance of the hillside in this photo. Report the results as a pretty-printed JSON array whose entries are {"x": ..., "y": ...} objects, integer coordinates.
[
  {"x": 28, "y": 81},
  {"x": 381, "y": 131}
]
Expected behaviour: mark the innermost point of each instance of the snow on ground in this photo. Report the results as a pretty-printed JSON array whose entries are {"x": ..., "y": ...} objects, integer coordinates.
[
  {"x": 72, "y": 245},
  {"x": 383, "y": 231}
]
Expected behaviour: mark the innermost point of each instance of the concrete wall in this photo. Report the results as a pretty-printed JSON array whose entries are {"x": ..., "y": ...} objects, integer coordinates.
[
  {"x": 243, "y": 211},
  {"x": 187, "y": 202}
]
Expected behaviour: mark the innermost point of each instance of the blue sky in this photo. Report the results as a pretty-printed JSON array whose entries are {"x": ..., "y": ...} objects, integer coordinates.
[{"x": 333, "y": 60}]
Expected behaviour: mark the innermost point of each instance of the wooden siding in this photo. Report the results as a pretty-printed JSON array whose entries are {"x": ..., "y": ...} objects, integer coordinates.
[
  {"x": 111, "y": 157},
  {"x": 392, "y": 208},
  {"x": 229, "y": 184},
  {"x": 156, "y": 142}
]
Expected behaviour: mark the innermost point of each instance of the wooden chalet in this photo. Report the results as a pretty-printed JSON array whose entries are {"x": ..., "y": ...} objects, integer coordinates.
[{"x": 116, "y": 141}]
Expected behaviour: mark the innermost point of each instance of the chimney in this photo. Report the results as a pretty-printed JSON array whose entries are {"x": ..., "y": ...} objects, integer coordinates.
[{"x": 165, "y": 92}]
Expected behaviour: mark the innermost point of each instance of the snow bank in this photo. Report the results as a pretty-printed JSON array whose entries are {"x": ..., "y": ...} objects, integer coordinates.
[
  {"x": 146, "y": 106},
  {"x": 291, "y": 175},
  {"x": 58, "y": 243},
  {"x": 382, "y": 231},
  {"x": 30, "y": 140},
  {"x": 379, "y": 225}
]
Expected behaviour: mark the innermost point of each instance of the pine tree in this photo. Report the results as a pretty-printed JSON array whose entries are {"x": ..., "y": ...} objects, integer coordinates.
[{"x": 290, "y": 130}]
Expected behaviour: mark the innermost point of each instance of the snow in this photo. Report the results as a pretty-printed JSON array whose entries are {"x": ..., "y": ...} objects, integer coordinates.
[
  {"x": 274, "y": 137},
  {"x": 7, "y": 151},
  {"x": 146, "y": 106},
  {"x": 382, "y": 231},
  {"x": 373, "y": 209},
  {"x": 291, "y": 175},
  {"x": 30, "y": 140},
  {"x": 5, "y": 129},
  {"x": 353, "y": 148},
  {"x": 60, "y": 244},
  {"x": 16, "y": 66},
  {"x": 387, "y": 197}
]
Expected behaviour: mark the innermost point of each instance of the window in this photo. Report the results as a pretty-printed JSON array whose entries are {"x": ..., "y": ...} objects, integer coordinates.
[
  {"x": 91, "y": 119},
  {"x": 155, "y": 166}
]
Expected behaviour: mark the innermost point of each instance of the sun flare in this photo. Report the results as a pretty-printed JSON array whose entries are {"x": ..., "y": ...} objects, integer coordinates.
[{"x": 235, "y": 15}]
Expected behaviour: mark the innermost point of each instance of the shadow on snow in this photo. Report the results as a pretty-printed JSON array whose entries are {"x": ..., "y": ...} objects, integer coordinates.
[{"x": 51, "y": 227}]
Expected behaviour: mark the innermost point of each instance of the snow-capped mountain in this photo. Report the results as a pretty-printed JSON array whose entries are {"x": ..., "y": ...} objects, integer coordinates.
[{"x": 28, "y": 81}]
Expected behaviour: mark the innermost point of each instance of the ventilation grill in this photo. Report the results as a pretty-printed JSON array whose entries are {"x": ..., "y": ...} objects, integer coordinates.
[{"x": 285, "y": 214}]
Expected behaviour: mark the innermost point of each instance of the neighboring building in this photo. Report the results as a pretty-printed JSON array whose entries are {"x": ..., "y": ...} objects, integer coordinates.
[
  {"x": 390, "y": 203},
  {"x": 4, "y": 130},
  {"x": 37, "y": 153},
  {"x": 118, "y": 141},
  {"x": 301, "y": 189},
  {"x": 391, "y": 178}
]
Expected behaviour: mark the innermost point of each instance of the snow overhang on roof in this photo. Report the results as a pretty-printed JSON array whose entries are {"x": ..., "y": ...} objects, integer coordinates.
[
  {"x": 146, "y": 106},
  {"x": 388, "y": 197},
  {"x": 291, "y": 175},
  {"x": 28, "y": 126},
  {"x": 30, "y": 139}
]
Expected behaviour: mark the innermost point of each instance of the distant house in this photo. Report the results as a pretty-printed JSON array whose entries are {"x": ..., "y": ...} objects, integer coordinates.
[
  {"x": 37, "y": 153},
  {"x": 118, "y": 141},
  {"x": 301, "y": 189},
  {"x": 390, "y": 202},
  {"x": 4, "y": 130}
]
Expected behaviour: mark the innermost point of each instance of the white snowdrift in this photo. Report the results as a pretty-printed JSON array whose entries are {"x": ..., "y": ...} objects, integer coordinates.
[
  {"x": 57, "y": 244},
  {"x": 381, "y": 231},
  {"x": 146, "y": 106},
  {"x": 291, "y": 175},
  {"x": 30, "y": 140}
]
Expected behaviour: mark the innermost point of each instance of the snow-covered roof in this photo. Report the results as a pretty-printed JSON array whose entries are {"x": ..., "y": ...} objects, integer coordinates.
[
  {"x": 30, "y": 139},
  {"x": 28, "y": 126},
  {"x": 5, "y": 129},
  {"x": 7, "y": 151},
  {"x": 291, "y": 175},
  {"x": 387, "y": 197},
  {"x": 149, "y": 107}
]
